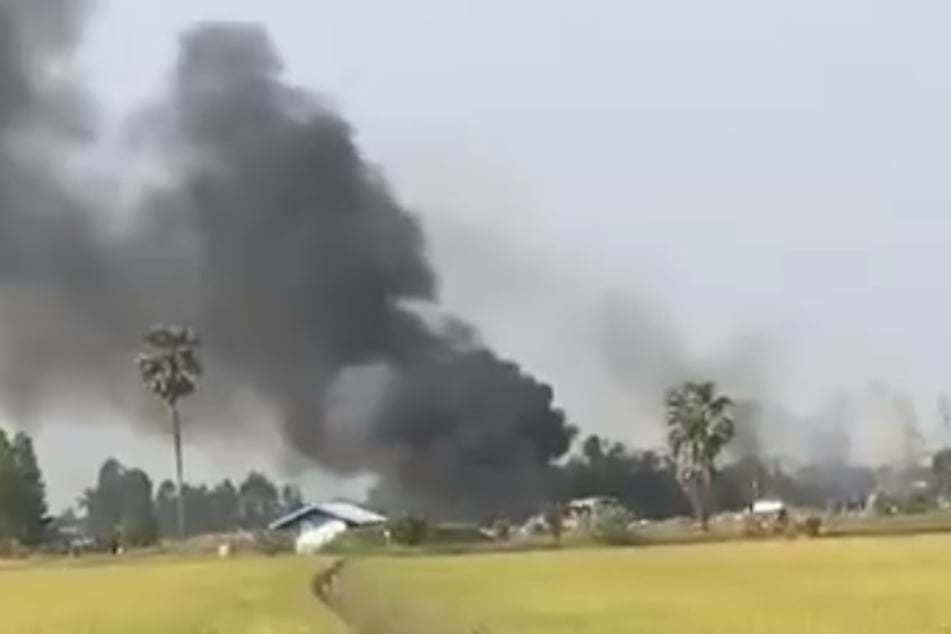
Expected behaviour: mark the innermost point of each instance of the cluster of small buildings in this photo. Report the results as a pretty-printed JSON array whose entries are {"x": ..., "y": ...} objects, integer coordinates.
[{"x": 316, "y": 525}]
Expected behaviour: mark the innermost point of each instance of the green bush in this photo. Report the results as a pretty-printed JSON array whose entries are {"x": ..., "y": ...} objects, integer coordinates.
[
  {"x": 273, "y": 543},
  {"x": 408, "y": 530},
  {"x": 919, "y": 502},
  {"x": 408, "y": 535},
  {"x": 914, "y": 503},
  {"x": 812, "y": 526},
  {"x": 456, "y": 534},
  {"x": 611, "y": 527},
  {"x": 11, "y": 549},
  {"x": 364, "y": 540}
]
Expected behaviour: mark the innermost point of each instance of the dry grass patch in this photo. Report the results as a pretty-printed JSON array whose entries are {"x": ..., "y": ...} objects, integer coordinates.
[
  {"x": 164, "y": 596},
  {"x": 867, "y": 586}
]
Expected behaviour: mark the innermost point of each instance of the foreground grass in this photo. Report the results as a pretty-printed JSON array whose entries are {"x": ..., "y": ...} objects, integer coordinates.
[
  {"x": 164, "y": 596},
  {"x": 867, "y": 586}
]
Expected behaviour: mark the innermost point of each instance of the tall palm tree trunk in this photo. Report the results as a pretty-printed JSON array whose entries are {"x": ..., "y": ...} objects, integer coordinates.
[
  {"x": 705, "y": 495},
  {"x": 180, "y": 498},
  {"x": 695, "y": 496}
]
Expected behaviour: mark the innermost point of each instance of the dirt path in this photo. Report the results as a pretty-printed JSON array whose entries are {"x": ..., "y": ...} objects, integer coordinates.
[
  {"x": 327, "y": 589},
  {"x": 324, "y": 585}
]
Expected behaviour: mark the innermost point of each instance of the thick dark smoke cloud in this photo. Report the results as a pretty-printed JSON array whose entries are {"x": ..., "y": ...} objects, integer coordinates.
[
  {"x": 479, "y": 422},
  {"x": 50, "y": 256},
  {"x": 302, "y": 242},
  {"x": 309, "y": 282}
]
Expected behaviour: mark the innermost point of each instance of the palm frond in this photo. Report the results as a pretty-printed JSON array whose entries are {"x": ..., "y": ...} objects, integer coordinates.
[
  {"x": 699, "y": 425},
  {"x": 169, "y": 364}
]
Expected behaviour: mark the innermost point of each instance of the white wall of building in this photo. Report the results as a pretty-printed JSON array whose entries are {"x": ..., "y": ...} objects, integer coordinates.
[{"x": 314, "y": 536}]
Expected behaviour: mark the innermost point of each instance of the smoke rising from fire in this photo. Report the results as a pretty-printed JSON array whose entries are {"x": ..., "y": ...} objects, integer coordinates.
[
  {"x": 308, "y": 280},
  {"x": 312, "y": 285}
]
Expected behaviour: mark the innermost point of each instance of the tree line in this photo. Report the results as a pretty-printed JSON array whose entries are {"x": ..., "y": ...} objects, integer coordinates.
[
  {"x": 22, "y": 491},
  {"x": 126, "y": 507},
  {"x": 693, "y": 476},
  {"x": 648, "y": 484},
  {"x": 688, "y": 478}
]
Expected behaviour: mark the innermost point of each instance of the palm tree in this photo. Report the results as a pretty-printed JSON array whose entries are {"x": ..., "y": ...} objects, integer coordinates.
[
  {"x": 170, "y": 368},
  {"x": 699, "y": 426}
]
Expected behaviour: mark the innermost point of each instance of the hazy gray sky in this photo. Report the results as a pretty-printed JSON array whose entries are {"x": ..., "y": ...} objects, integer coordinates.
[{"x": 775, "y": 167}]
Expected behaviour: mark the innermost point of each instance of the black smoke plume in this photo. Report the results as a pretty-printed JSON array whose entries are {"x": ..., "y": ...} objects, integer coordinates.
[{"x": 273, "y": 236}]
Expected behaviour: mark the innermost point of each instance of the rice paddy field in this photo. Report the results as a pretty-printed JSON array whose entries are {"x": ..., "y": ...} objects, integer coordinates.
[
  {"x": 164, "y": 596},
  {"x": 832, "y": 586}
]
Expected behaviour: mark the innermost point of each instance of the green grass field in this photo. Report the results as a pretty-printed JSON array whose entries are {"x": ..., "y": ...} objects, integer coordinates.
[
  {"x": 834, "y": 586},
  {"x": 164, "y": 596}
]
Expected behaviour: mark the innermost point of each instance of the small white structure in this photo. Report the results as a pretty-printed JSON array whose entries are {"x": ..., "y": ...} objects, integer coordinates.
[
  {"x": 593, "y": 504},
  {"x": 587, "y": 511},
  {"x": 766, "y": 507},
  {"x": 316, "y": 525},
  {"x": 313, "y": 536}
]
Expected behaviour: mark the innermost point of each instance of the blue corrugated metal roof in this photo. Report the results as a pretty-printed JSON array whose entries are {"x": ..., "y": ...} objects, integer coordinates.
[{"x": 348, "y": 512}]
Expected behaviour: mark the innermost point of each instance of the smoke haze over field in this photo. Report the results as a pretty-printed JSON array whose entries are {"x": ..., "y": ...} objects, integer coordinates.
[{"x": 609, "y": 235}]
